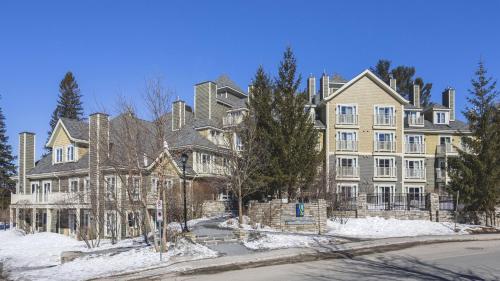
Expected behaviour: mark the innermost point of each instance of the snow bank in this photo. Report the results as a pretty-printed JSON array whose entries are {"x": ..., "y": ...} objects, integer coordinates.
[
  {"x": 233, "y": 224},
  {"x": 277, "y": 241},
  {"x": 376, "y": 227},
  {"x": 37, "y": 257}
]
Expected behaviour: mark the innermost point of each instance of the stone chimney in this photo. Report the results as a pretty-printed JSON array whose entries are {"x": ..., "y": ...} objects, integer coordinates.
[
  {"x": 449, "y": 101},
  {"x": 311, "y": 88},
  {"x": 26, "y": 159},
  {"x": 98, "y": 154},
  {"x": 178, "y": 114},
  {"x": 415, "y": 95},
  {"x": 324, "y": 86},
  {"x": 392, "y": 83}
]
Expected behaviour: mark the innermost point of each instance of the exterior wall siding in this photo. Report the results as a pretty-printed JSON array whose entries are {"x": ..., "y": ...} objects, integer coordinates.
[{"x": 202, "y": 99}]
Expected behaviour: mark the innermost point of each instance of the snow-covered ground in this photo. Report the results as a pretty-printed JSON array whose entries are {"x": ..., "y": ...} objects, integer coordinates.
[
  {"x": 376, "y": 227},
  {"x": 233, "y": 224},
  {"x": 37, "y": 256},
  {"x": 270, "y": 241}
]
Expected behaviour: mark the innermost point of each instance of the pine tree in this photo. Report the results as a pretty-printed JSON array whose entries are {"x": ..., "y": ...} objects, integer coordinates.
[
  {"x": 294, "y": 138},
  {"x": 475, "y": 173},
  {"x": 7, "y": 166},
  {"x": 404, "y": 80},
  {"x": 69, "y": 104}
]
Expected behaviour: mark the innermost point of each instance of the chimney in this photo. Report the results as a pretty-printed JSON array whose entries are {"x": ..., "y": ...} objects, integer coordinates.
[
  {"x": 205, "y": 95},
  {"x": 324, "y": 86},
  {"x": 26, "y": 159},
  {"x": 415, "y": 95},
  {"x": 311, "y": 87},
  {"x": 449, "y": 101},
  {"x": 98, "y": 154},
  {"x": 178, "y": 114},
  {"x": 392, "y": 83}
]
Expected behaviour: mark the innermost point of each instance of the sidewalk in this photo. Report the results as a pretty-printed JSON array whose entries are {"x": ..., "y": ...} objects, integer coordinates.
[{"x": 291, "y": 255}]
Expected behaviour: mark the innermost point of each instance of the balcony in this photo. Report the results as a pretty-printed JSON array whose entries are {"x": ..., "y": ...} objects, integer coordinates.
[
  {"x": 48, "y": 198},
  {"x": 347, "y": 172},
  {"x": 415, "y": 121},
  {"x": 440, "y": 174},
  {"x": 384, "y": 120},
  {"x": 384, "y": 146},
  {"x": 414, "y": 148},
  {"x": 210, "y": 169},
  {"x": 385, "y": 172},
  {"x": 347, "y": 145},
  {"x": 232, "y": 120},
  {"x": 444, "y": 149},
  {"x": 415, "y": 173},
  {"x": 347, "y": 119}
]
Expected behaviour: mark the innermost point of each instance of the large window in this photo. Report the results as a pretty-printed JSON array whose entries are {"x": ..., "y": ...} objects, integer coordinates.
[
  {"x": 347, "y": 166},
  {"x": 347, "y": 114},
  {"x": 384, "y": 167},
  {"x": 384, "y": 115},
  {"x": 347, "y": 141},
  {"x": 384, "y": 141},
  {"x": 441, "y": 118},
  {"x": 347, "y": 189},
  {"x": 58, "y": 155}
]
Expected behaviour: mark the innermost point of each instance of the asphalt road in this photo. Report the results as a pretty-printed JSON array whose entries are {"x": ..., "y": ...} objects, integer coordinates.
[{"x": 448, "y": 261}]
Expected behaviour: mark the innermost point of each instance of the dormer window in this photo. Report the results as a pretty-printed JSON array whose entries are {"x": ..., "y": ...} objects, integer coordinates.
[
  {"x": 70, "y": 153},
  {"x": 441, "y": 118},
  {"x": 58, "y": 155}
]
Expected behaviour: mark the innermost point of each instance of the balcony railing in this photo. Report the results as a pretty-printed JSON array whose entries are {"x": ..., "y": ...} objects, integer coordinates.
[
  {"x": 415, "y": 121},
  {"x": 384, "y": 146},
  {"x": 440, "y": 174},
  {"x": 347, "y": 145},
  {"x": 385, "y": 172},
  {"x": 210, "y": 169},
  {"x": 397, "y": 201},
  {"x": 232, "y": 120},
  {"x": 416, "y": 148},
  {"x": 48, "y": 198},
  {"x": 347, "y": 172},
  {"x": 384, "y": 120},
  {"x": 347, "y": 119},
  {"x": 415, "y": 173},
  {"x": 445, "y": 149}
]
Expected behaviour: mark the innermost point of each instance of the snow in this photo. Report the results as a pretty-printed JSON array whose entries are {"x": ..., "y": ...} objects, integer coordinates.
[
  {"x": 376, "y": 227},
  {"x": 37, "y": 256},
  {"x": 233, "y": 224},
  {"x": 271, "y": 241}
]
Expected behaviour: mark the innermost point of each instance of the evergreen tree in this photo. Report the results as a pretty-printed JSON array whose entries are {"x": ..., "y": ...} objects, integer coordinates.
[
  {"x": 475, "y": 173},
  {"x": 7, "y": 166},
  {"x": 404, "y": 79},
  {"x": 69, "y": 104},
  {"x": 294, "y": 138}
]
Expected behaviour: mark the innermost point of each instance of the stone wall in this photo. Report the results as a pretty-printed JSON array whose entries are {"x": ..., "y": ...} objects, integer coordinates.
[
  {"x": 282, "y": 216},
  {"x": 213, "y": 208}
]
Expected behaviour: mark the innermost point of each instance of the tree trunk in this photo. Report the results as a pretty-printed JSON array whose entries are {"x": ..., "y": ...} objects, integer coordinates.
[{"x": 240, "y": 207}]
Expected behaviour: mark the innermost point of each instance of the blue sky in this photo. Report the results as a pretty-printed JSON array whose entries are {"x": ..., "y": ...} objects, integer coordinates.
[{"x": 114, "y": 47}]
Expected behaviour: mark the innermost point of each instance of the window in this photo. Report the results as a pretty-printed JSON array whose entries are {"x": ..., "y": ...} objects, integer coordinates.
[
  {"x": 441, "y": 118},
  {"x": 384, "y": 141},
  {"x": 110, "y": 187},
  {"x": 347, "y": 167},
  {"x": 384, "y": 167},
  {"x": 384, "y": 115},
  {"x": 73, "y": 185},
  {"x": 238, "y": 143},
  {"x": 346, "y": 114},
  {"x": 415, "y": 169},
  {"x": 133, "y": 219},
  {"x": 136, "y": 188},
  {"x": 347, "y": 141},
  {"x": 58, "y": 155},
  {"x": 86, "y": 185},
  {"x": 111, "y": 226},
  {"x": 70, "y": 153},
  {"x": 347, "y": 189},
  {"x": 154, "y": 185},
  {"x": 385, "y": 194}
]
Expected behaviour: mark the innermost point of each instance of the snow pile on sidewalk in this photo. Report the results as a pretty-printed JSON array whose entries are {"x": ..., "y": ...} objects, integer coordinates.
[
  {"x": 271, "y": 241},
  {"x": 376, "y": 227},
  {"x": 233, "y": 224},
  {"x": 176, "y": 226},
  {"x": 37, "y": 257}
]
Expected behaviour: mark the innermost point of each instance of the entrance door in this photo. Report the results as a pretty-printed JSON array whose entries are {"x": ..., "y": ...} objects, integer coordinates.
[{"x": 385, "y": 196}]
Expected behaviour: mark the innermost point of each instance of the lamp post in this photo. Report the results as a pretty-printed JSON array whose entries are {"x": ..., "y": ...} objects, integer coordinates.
[{"x": 184, "y": 158}]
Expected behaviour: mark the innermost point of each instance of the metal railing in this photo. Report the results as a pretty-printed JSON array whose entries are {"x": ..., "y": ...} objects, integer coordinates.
[
  {"x": 384, "y": 120},
  {"x": 412, "y": 147},
  {"x": 445, "y": 148},
  {"x": 384, "y": 146},
  {"x": 347, "y": 119},
  {"x": 343, "y": 202},
  {"x": 415, "y": 173},
  {"x": 440, "y": 174},
  {"x": 397, "y": 201},
  {"x": 347, "y": 145},
  {"x": 231, "y": 120},
  {"x": 347, "y": 172},
  {"x": 385, "y": 172},
  {"x": 415, "y": 121}
]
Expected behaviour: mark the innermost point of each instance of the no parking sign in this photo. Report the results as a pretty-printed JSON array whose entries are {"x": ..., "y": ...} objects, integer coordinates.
[{"x": 159, "y": 210}]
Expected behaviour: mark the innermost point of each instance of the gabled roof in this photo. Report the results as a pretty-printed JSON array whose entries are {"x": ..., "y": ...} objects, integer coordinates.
[
  {"x": 374, "y": 78},
  {"x": 225, "y": 81},
  {"x": 77, "y": 131}
]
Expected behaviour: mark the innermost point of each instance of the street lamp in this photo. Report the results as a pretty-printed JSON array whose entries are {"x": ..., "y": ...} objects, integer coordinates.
[{"x": 184, "y": 158}]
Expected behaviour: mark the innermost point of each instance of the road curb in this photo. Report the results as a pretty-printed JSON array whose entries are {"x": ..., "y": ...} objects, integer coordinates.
[{"x": 324, "y": 254}]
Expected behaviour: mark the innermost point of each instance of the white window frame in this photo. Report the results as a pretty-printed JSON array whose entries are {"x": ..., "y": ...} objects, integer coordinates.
[
  {"x": 72, "y": 154},
  {"x": 353, "y": 187},
  {"x": 154, "y": 185},
  {"x": 56, "y": 155},
  {"x": 392, "y": 164},
  {"x": 136, "y": 190},
  {"x": 107, "y": 191},
  {"x": 438, "y": 119},
  {"x": 392, "y": 190},
  {"x": 107, "y": 222},
  {"x": 354, "y": 107},
  {"x": 43, "y": 189},
  {"x": 70, "y": 181}
]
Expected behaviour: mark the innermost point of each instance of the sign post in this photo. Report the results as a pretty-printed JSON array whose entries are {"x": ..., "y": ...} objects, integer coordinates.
[{"x": 159, "y": 220}]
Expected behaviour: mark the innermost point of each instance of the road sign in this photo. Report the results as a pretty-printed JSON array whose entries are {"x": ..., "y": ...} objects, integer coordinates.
[{"x": 159, "y": 210}]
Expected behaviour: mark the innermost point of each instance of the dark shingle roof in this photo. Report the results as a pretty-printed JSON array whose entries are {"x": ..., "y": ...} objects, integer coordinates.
[
  {"x": 44, "y": 165},
  {"x": 435, "y": 106},
  {"x": 76, "y": 129},
  {"x": 319, "y": 124},
  {"x": 411, "y": 106},
  {"x": 452, "y": 127},
  {"x": 225, "y": 81}
]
